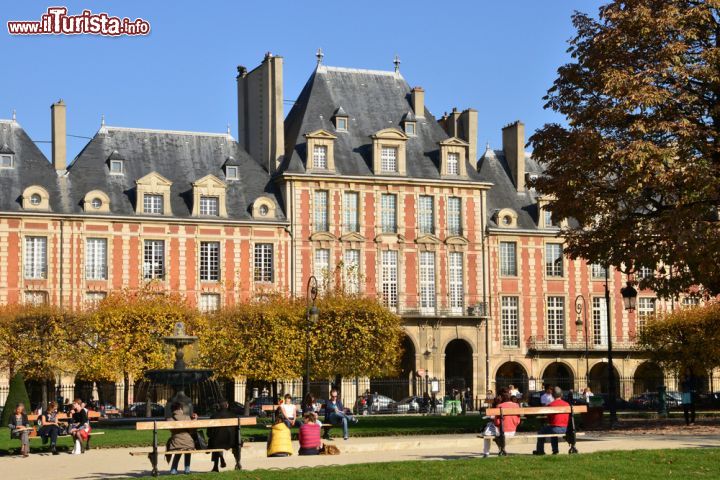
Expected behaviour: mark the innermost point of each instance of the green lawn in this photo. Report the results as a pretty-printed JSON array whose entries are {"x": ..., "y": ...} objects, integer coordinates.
[
  {"x": 640, "y": 464},
  {"x": 367, "y": 427}
]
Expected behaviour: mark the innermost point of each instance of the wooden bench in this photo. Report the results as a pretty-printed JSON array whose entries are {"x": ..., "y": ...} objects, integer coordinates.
[
  {"x": 93, "y": 417},
  {"x": 570, "y": 434},
  {"x": 154, "y": 454}
]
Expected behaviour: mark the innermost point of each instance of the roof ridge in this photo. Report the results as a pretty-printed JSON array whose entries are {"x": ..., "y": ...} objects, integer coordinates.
[
  {"x": 176, "y": 132},
  {"x": 326, "y": 68}
]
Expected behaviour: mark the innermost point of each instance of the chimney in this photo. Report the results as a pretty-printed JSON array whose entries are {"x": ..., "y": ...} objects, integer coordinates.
[
  {"x": 513, "y": 138},
  {"x": 468, "y": 131},
  {"x": 417, "y": 98},
  {"x": 59, "y": 136},
  {"x": 261, "y": 130}
]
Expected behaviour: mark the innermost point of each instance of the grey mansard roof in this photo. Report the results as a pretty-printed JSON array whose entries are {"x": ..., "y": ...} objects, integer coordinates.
[{"x": 373, "y": 100}]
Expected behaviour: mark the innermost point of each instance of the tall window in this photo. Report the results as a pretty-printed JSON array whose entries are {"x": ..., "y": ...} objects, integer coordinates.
[
  {"x": 350, "y": 212},
  {"x": 455, "y": 284},
  {"x": 427, "y": 282},
  {"x": 508, "y": 259},
  {"x": 646, "y": 272},
  {"x": 548, "y": 218},
  {"x": 426, "y": 215},
  {"x": 263, "y": 262},
  {"x": 453, "y": 166},
  {"x": 645, "y": 310},
  {"x": 599, "y": 317},
  {"x": 389, "y": 278},
  {"x": 351, "y": 267},
  {"x": 153, "y": 203},
  {"x": 154, "y": 259},
  {"x": 36, "y": 298},
  {"x": 454, "y": 222},
  {"x": 322, "y": 267},
  {"x": 388, "y": 160},
  {"x": 597, "y": 271},
  {"x": 509, "y": 319},
  {"x": 691, "y": 301},
  {"x": 389, "y": 213},
  {"x": 553, "y": 260},
  {"x": 209, "y": 302},
  {"x": 321, "y": 211},
  {"x": 210, "y": 206},
  {"x": 96, "y": 259},
  {"x": 209, "y": 261},
  {"x": 320, "y": 156},
  {"x": 35, "y": 257},
  {"x": 556, "y": 320}
]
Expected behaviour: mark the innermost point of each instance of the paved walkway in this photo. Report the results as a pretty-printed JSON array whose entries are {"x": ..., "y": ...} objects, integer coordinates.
[{"x": 117, "y": 463}]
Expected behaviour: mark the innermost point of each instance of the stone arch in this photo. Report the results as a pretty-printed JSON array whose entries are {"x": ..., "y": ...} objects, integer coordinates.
[
  {"x": 458, "y": 364},
  {"x": 559, "y": 374},
  {"x": 648, "y": 377},
  {"x": 598, "y": 378},
  {"x": 407, "y": 362},
  {"x": 511, "y": 373},
  {"x": 263, "y": 208}
]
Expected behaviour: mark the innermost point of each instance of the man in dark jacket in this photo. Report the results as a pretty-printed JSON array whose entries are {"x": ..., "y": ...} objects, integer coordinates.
[{"x": 221, "y": 437}]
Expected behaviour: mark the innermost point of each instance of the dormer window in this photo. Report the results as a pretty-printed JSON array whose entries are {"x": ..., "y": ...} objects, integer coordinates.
[
  {"x": 341, "y": 120},
  {"x": 453, "y": 155},
  {"x": 232, "y": 172},
  {"x": 153, "y": 195},
  {"x": 320, "y": 148},
  {"x": 96, "y": 203},
  {"x": 116, "y": 167},
  {"x": 320, "y": 156},
  {"x": 6, "y": 161},
  {"x": 153, "y": 204},
  {"x": 35, "y": 199},
  {"x": 453, "y": 166},
  {"x": 410, "y": 128},
  {"x": 409, "y": 124},
  {"x": 209, "y": 206},
  {"x": 388, "y": 160},
  {"x": 389, "y": 151},
  {"x": 209, "y": 197}
]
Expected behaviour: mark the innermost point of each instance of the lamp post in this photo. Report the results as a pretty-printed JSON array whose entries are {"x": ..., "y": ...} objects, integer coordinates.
[
  {"x": 311, "y": 314},
  {"x": 581, "y": 309}
]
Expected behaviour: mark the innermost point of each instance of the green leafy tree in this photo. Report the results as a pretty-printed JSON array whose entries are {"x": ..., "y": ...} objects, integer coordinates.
[
  {"x": 17, "y": 394},
  {"x": 637, "y": 161}
]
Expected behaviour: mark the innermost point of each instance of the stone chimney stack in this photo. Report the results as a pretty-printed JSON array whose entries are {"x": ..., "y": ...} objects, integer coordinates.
[
  {"x": 417, "y": 98},
  {"x": 59, "y": 136},
  {"x": 513, "y": 138},
  {"x": 261, "y": 130},
  {"x": 468, "y": 131}
]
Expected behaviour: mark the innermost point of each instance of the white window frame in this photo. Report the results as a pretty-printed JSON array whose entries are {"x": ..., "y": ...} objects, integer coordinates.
[
  {"x": 36, "y": 266},
  {"x": 556, "y": 321},
  {"x": 116, "y": 167},
  {"x": 35, "y": 297},
  {"x": 10, "y": 158},
  {"x": 264, "y": 254},
  {"x": 96, "y": 258},
  {"x": 153, "y": 203},
  {"x": 209, "y": 302},
  {"x": 321, "y": 268},
  {"x": 410, "y": 128},
  {"x": 341, "y": 124},
  {"x": 388, "y": 159},
  {"x": 388, "y": 207},
  {"x": 454, "y": 214},
  {"x": 232, "y": 172},
  {"x": 599, "y": 322},
  {"x": 154, "y": 259},
  {"x": 510, "y": 320},
  {"x": 209, "y": 269},
  {"x": 321, "y": 211},
  {"x": 209, "y": 206},
  {"x": 320, "y": 156},
  {"x": 453, "y": 165},
  {"x": 426, "y": 215},
  {"x": 456, "y": 287},
  {"x": 597, "y": 271},
  {"x": 553, "y": 261},
  {"x": 508, "y": 259},
  {"x": 389, "y": 278},
  {"x": 645, "y": 310},
  {"x": 351, "y": 216},
  {"x": 427, "y": 282},
  {"x": 351, "y": 271},
  {"x": 93, "y": 298}
]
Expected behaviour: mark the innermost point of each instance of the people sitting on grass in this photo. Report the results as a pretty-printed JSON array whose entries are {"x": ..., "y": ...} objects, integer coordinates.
[
  {"x": 556, "y": 424},
  {"x": 279, "y": 441},
  {"x": 50, "y": 427},
  {"x": 79, "y": 426},
  {"x": 509, "y": 422},
  {"x": 309, "y": 435},
  {"x": 181, "y": 440},
  {"x": 289, "y": 410},
  {"x": 221, "y": 437},
  {"x": 335, "y": 413},
  {"x": 20, "y": 428}
]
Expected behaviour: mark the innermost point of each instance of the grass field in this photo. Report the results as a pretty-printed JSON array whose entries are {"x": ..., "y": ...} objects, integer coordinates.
[{"x": 641, "y": 464}]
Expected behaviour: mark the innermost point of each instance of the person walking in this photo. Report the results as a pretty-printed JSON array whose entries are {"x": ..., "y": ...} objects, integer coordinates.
[
  {"x": 556, "y": 424},
  {"x": 20, "y": 428},
  {"x": 221, "y": 437},
  {"x": 468, "y": 400},
  {"x": 688, "y": 385},
  {"x": 335, "y": 413},
  {"x": 50, "y": 427},
  {"x": 180, "y": 439},
  {"x": 509, "y": 423}
]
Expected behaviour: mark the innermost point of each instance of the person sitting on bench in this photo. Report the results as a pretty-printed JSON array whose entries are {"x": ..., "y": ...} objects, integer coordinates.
[
  {"x": 335, "y": 413},
  {"x": 180, "y": 439},
  {"x": 221, "y": 437},
  {"x": 50, "y": 428},
  {"x": 510, "y": 422},
  {"x": 279, "y": 443},
  {"x": 289, "y": 411},
  {"x": 309, "y": 435},
  {"x": 20, "y": 428},
  {"x": 557, "y": 424},
  {"x": 80, "y": 426}
]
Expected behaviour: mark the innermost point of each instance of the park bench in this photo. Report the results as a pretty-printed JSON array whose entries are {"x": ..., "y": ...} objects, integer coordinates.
[
  {"x": 154, "y": 454},
  {"x": 570, "y": 434},
  {"x": 93, "y": 417},
  {"x": 326, "y": 427}
]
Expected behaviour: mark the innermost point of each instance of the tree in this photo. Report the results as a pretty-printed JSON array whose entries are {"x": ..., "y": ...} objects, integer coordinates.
[
  {"x": 637, "y": 163},
  {"x": 124, "y": 334},
  {"x": 17, "y": 394},
  {"x": 687, "y": 337}
]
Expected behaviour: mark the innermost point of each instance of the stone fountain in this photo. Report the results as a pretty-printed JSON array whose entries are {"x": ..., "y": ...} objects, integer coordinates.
[{"x": 203, "y": 391}]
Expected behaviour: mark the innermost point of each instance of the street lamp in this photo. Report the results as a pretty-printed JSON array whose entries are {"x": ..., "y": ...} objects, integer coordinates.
[
  {"x": 629, "y": 295},
  {"x": 581, "y": 309},
  {"x": 611, "y": 369},
  {"x": 312, "y": 313}
]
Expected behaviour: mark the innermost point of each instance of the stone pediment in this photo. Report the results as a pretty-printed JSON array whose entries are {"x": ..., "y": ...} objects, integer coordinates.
[
  {"x": 390, "y": 134},
  {"x": 154, "y": 179},
  {"x": 209, "y": 181},
  {"x": 352, "y": 237},
  {"x": 454, "y": 141},
  {"x": 428, "y": 239},
  {"x": 456, "y": 240},
  {"x": 320, "y": 134},
  {"x": 322, "y": 237},
  {"x": 389, "y": 238}
]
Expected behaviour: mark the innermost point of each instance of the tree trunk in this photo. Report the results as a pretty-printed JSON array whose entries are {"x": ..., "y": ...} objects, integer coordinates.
[{"x": 126, "y": 392}]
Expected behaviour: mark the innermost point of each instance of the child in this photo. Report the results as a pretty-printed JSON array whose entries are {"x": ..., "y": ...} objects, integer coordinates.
[{"x": 510, "y": 422}]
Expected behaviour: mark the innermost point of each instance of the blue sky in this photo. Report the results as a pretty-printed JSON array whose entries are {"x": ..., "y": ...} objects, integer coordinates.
[{"x": 496, "y": 57}]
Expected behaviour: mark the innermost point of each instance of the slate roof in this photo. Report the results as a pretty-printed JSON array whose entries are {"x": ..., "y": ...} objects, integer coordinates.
[
  {"x": 374, "y": 100},
  {"x": 31, "y": 167},
  {"x": 181, "y": 157},
  {"x": 493, "y": 167}
]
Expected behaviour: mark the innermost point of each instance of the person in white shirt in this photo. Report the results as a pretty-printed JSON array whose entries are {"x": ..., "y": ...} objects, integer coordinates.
[
  {"x": 587, "y": 393},
  {"x": 289, "y": 410},
  {"x": 547, "y": 397}
]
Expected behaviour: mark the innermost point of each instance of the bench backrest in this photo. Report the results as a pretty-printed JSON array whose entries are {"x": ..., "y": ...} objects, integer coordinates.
[
  {"x": 536, "y": 410},
  {"x": 272, "y": 408},
  {"x": 183, "y": 424},
  {"x": 92, "y": 416}
]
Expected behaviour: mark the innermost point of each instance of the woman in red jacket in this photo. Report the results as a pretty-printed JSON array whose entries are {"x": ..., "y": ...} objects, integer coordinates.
[
  {"x": 510, "y": 422},
  {"x": 309, "y": 436}
]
